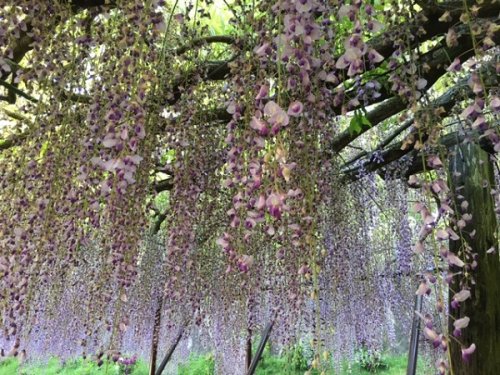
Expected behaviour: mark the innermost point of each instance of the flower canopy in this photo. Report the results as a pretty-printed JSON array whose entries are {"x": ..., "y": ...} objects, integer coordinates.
[{"x": 232, "y": 163}]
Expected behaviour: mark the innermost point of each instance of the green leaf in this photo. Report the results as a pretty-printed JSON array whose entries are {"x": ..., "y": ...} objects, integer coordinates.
[
  {"x": 44, "y": 149},
  {"x": 355, "y": 125},
  {"x": 168, "y": 157},
  {"x": 358, "y": 122},
  {"x": 365, "y": 121}
]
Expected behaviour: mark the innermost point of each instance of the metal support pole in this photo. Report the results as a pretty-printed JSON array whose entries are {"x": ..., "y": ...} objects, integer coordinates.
[
  {"x": 260, "y": 349},
  {"x": 170, "y": 352},
  {"x": 415, "y": 331}
]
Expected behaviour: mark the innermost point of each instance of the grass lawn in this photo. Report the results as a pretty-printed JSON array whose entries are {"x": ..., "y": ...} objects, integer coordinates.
[{"x": 201, "y": 365}]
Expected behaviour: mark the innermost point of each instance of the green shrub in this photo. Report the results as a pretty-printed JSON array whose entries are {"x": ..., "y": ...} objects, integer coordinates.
[
  {"x": 370, "y": 360},
  {"x": 9, "y": 366},
  {"x": 297, "y": 359},
  {"x": 199, "y": 365}
]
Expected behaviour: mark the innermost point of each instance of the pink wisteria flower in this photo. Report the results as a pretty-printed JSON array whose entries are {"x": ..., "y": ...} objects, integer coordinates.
[
  {"x": 354, "y": 55},
  {"x": 263, "y": 49},
  {"x": 460, "y": 324},
  {"x": 260, "y": 203},
  {"x": 461, "y": 296},
  {"x": 274, "y": 204},
  {"x": 441, "y": 366},
  {"x": 347, "y": 11},
  {"x": 467, "y": 352},
  {"x": 295, "y": 108},
  {"x": 472, "y": 111},
  {"x": 352, "y": 59},
  {"x": 455, "y": 66},
  {"x": 434, "y": 161},
  {"x": 245, "y": 262},
  {"x": 454, "y": 260},
  {"x": 432, "y": 336},
  {"x": 451, "y": 38},
  {"x": 374, "y": 26},
  {"x": 275, "y": 114},
  {"x": 128, "y": 361},
  {"x": 442, "y": 235},
  {"x": 423, "y": 288},
  {"x": 260, "y": 125},
  {"x": 495, "y": 104},
  {"x": 263, "y": 91},
  {"x": 304, "y": 6}
]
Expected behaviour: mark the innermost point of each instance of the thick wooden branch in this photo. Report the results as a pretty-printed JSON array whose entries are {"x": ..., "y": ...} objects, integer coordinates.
[
  {"x": 16, "y": 116},
  {"x": 7, "y": 143},
  {"x": 86, "y": 4},
  {"x": 12, "y": 141},
  {"x": 20, "y": 49},
  {"x": 471, "y": 178},
  {"x": 431, "y": 26},
  {"x": 163, "y": 185},
  {"x": 24, "y": 44},
  {"x": 383, "y": 111},
  {"x": 384, "y": 44},
  {"x": 445, "y": 102},
  {"x": 449, "y": 141},
  {"x": 415, "y": 158},
  {"x": 159, "y": 219},
  {"x": 198, "y": 42},
  {"x": 437, "y": 61},
  {"x": 170, "y": 351},
  {"x": 260, "y": 349},
  {"x": 428, "y": 25},
  {"x": 212, "y": 71},
  {"x": 13, "y": 89},
  {"x": 400, "y": 129}
]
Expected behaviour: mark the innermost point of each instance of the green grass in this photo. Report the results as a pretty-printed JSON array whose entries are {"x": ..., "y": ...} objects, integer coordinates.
[
  {"x": 75, "y": 367},
  {"x": 198, "y": 365},
  {"x": 8, "y": 366},
  {"x": 273, "y": 365}
]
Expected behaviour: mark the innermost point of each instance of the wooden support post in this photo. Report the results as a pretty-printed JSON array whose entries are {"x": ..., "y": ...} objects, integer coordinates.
[
  {"x": 260, "y": 349},
  {"x": 471, "y": 175},
  {"x": 156, "y": 337},
  {"x": 249, "y": 350},
  {"x": 163, "y": 363},
  {"x": 415, "y": 330}
]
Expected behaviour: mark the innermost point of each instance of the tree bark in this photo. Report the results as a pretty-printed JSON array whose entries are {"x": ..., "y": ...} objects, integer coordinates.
[{"x": 472, "y": 180}]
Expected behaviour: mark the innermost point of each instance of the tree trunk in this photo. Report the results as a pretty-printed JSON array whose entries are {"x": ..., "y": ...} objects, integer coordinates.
[{"x": 471, "y": 172}]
